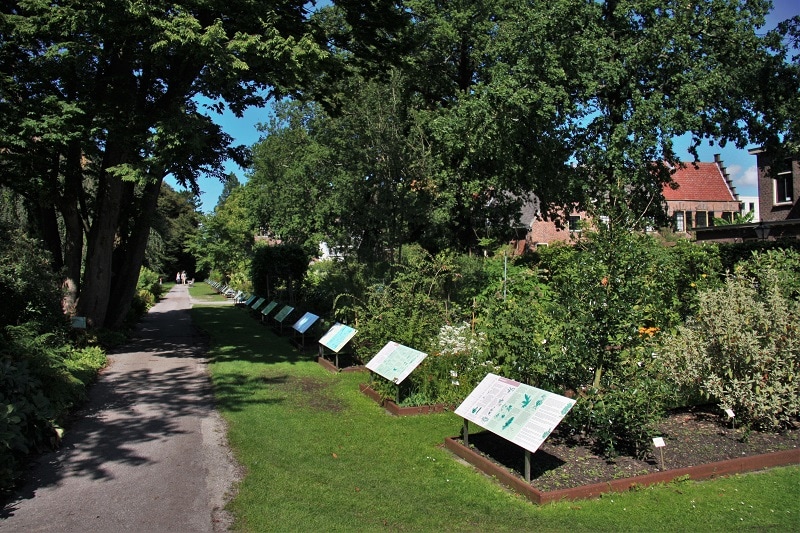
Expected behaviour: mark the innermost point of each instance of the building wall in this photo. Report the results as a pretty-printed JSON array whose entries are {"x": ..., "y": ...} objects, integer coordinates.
[
  {"x": 750, "y": 203},
  {"x": 770, "y": 209}
]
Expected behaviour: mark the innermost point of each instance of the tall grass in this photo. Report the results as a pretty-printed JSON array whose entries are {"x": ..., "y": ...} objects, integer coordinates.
[{"x": 318, "y": 455}]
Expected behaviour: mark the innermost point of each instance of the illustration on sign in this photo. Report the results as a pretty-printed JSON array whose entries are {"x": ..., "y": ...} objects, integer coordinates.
[
  {"x": 520, "y": 413},
  {"x": 395, "y": 361},
  {"x": 305, "y": 322},
  {"x": 337, "y": 337}
]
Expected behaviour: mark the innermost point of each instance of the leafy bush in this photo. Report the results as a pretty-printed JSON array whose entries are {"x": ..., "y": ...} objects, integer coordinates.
[
  {"x": 742, "y": 349},
  {"x": 40, "y": 380},
  {"x": 279, "y": 268},
  {"x": 31, "y": 291},
  {"x": 409, "y": 309}
]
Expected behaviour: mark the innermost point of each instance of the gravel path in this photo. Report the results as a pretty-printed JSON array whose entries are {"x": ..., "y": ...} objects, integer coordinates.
[{"x": 148, "y": 452}]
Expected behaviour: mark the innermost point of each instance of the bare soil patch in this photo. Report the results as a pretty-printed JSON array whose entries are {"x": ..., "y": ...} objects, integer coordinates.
[{"x": 693, "y": 436}]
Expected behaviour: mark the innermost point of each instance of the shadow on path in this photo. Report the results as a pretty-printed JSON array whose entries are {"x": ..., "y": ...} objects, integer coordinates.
[{"x": 148, "y": 450}]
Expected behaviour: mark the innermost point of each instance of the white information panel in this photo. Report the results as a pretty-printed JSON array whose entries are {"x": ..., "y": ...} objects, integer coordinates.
[
  {"x": 520, "y": 413},
  {"x": 395, "y": 361},
  {"x": 337, "y": 337},
  {"x": 305, "y": 322}
]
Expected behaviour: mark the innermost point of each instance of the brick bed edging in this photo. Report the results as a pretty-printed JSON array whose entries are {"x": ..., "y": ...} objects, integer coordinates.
[
  {"x": 395, "y": 409},
  {"x": 706, "y": 471}
]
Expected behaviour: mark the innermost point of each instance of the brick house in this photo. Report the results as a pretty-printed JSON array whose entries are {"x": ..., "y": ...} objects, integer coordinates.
[
  {"x": 778, "y": 206},
  {"x": 704, "y": 192}
]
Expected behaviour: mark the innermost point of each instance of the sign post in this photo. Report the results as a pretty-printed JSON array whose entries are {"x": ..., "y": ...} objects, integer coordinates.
[
  {"x": 335, "y": 339},
  {"x": 658, "y": 442},
  {"x": 395, "y": 362},
  {"x": 517, "y": 412}
]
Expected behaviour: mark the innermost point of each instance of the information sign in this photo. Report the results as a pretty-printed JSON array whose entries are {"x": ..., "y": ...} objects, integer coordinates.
[
  {"x": 250, "y": 300},
  {"x": 337, "y": 337},
  {"x": 520, "y": 413},
  {"x": 283, "y": 313},
  {"x": 258, "y": 303},
  {"x": 305, "y": 322},
  {"x": 395, "y": 361},
  {"x": 269, "y": 307}
]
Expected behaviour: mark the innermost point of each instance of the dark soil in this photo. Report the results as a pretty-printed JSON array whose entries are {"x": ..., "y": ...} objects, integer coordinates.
[{"x": 692, "y": 437}]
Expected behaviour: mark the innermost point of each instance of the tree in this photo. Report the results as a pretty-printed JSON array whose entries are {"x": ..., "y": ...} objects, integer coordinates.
[
  {"x": 658, "y": 70},
  {"x": 174, "y": 227},
  {"x": 98, "y": 102},
  {"x": 224, "y": 240}
]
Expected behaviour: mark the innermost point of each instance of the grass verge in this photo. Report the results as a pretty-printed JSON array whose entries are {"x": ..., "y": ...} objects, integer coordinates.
[
  {"x": 320, "y": 455},
  {"x": 204, "y": 293}
]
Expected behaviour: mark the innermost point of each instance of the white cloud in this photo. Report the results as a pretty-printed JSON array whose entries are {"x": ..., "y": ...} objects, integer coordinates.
[{"x": 743, "y": 177}]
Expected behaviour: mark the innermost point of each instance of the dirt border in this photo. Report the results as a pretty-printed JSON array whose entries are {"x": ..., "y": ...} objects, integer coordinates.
[
  {"x": 706, "y": 471},
  {"x": 328, "y": 365},
  {"x": 397, "y": 410}
]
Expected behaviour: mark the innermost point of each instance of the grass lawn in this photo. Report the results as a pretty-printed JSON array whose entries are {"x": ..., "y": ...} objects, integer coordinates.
[
  {"x": 202, "y": 292},
  {"x": 318, "y": 455}
]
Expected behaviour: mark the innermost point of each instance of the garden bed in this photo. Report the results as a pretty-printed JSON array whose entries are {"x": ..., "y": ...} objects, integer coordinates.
[
  {"x": 398, "y": 410},
  {"x": 699, "y": 445},
  {"x": 347, "y": 364}
]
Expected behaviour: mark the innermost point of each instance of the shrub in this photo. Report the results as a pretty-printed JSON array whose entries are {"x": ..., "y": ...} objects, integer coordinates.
[
  {"x": 31, "y": 291},
  {"x": 41, "y": 378},
  {"x": 409, "y": 309},
  {"x": 279, "y": 268},
  {"x": 742, "y": 349}
]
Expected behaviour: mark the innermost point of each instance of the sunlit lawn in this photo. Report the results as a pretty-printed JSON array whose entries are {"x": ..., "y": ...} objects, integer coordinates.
[
  {"x": 203, "y": 292},
  {"x": 320, "y": 456}
]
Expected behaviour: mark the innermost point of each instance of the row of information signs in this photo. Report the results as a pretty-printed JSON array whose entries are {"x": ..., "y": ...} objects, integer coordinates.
[{"x": 520, "y": 413}]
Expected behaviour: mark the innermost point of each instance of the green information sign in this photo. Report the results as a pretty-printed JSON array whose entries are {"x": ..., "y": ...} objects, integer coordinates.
[
  {"x": 283, "y": 313},
  {"x": 269, "y": 307}
]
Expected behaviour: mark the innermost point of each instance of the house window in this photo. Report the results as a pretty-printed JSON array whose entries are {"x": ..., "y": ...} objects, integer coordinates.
[
  {"x": 680, "y": 224},
  {"x": 727, "y": 216},
  {"x": 574, "y": 223},
  {"x": 784, "y": 192},
  {"x": 701, "y": 219}
]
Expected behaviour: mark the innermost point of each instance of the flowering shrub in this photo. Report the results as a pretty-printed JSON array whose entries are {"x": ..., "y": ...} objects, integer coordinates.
[
  {"x": 449, "y": 374},
  {"x": 742, "y": 349}
]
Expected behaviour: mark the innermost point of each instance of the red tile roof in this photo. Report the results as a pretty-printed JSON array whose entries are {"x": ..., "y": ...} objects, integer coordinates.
[{"x": 701, "y": 182}]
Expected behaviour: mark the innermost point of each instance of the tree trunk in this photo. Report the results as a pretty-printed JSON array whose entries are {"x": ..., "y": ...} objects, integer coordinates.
[
  {"x": 127, "y": 275},
  {"x": 73, "y": 229},
  {"x": 96, "y": 286}
]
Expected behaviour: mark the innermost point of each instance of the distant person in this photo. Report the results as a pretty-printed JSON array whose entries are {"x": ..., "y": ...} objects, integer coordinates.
[
  {"x": 178, "y": 278},
  {"x": 183, "y": 277}
]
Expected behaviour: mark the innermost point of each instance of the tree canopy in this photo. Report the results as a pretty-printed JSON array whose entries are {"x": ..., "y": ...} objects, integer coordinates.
[
  {"x": 578, "y": 102},
  {"x": 99, "y": 102}
]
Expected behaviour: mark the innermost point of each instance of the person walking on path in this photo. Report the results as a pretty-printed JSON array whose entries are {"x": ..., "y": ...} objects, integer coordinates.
[{"x": 148, "y": 451}]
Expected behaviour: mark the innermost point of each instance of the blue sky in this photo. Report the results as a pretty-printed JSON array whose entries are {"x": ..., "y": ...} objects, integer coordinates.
[{"x": 741, "y": 165}]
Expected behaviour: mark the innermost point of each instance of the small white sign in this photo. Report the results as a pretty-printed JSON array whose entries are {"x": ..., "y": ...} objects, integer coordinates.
[
  {"x": 658, "y": 442},
  {"x": 729, "y": 412}
]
